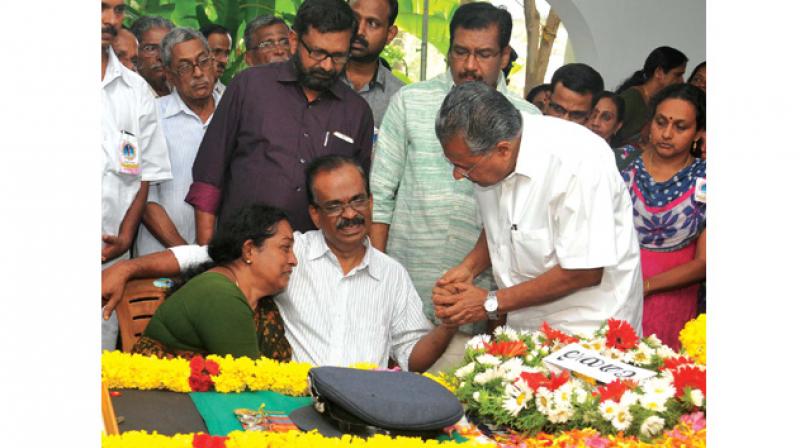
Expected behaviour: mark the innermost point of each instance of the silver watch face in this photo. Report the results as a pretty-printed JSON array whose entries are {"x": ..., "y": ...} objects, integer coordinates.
[{"x": 490, "y": 304}]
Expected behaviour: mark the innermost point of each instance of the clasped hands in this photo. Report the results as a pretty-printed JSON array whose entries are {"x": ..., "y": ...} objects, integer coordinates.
[{"x": 456, "y": 300}]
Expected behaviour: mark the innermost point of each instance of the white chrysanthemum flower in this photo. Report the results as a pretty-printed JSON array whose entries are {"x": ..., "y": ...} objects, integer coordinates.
[
  {"x": 652, "y": 426},
  {"x": 488, "y": 375},
  {"x": 476, "y": 396},
  {"x": 561, "y": 414},
  {"x": 461, "y": 385},
  {"x": 488, "y": 360},
  {"x": 609, "y": 409},
  {"x": 661, "y": 387},
  {"x": 653, "y": 402},
  {"x": 597, "y": 344},
  {"x": 512, "y": 368},
  {"x": 544, "y": 400},
  {"x": 529, "y": 358},
  {"x": 614, "y": 353},
  {"x": 563, "y": 395},
  {"x": 581, "y": 395},
  {"x": 622, "y": 420},
  {"x": 466, "y": 370},
  {"x": 665, "y": 352},
  {"x": 628, "y": 398},
  {"x": 697, "y": 397},
  {"x": 476, "y": 343},
  {"x": 507, "y": 331},
  {"x": 516, "y": 399}
]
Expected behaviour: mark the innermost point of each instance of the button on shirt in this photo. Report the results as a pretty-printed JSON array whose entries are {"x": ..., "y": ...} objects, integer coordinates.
[
  {"x": 264, "y": 132},
  {"x": 184, "y": 131},
  {"x": 368, "y": 315},
  {"x": 433, "y": 218},
  {"x": 565, "y": 205},
  {"x": 129, "y": 107},
  {"x": 378, "y": 91}
]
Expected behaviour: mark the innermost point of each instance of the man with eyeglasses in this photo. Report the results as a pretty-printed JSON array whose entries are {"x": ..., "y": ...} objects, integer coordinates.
[
  {"x": 266, "y": 40},
  {"x": 134, "y": 151},
  {"x": 558, "y": 220},
  {"x": 183, "y": 115},
  {"x": 220, "y": 42},
  {"x": 365, "y": 74},
  {"x": 423, "y": 217},
  {"x": 275, "y": 118},
  {"x": 575, "y": 89},
  {"x": 149, "y": 30},
  {"x": 346, "y": 302}
]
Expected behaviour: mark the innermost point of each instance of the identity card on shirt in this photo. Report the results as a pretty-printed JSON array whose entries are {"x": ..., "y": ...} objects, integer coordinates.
[
  {"x": 700, "y": 190},
  {"x": 129, "y": 155}
]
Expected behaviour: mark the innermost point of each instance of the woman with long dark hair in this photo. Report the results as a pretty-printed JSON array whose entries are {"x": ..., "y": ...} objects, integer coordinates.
[
  {"x": 664, "y": 66},
  {"x": 667, "y": 187},
  {"x": 228, "y": 309}
]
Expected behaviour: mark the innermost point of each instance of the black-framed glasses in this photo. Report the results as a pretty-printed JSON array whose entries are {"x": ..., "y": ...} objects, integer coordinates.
[
  {"x": 336, "y": 208},
  {"x": 186, "y": 68},
  {"x": 320, "y": 55},
  {"x": 465, "y": 173},
  {"x": 579, "y": 116},
  {"x": 271, "y": 45},
  {"x": 484, "y": 54}
]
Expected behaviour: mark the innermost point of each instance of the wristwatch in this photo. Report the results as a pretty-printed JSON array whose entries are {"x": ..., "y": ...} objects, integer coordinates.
[{"x": 490, "y": 305}]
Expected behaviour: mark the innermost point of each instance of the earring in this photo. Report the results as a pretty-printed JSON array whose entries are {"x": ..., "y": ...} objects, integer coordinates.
[{"x": 248, "y": 261}]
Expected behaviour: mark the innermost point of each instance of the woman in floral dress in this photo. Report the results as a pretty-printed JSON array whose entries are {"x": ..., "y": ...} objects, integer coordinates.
[{"x": 667, "y": 187}]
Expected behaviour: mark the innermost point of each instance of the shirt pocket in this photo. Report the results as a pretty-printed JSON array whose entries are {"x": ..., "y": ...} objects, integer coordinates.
[
  {"x": 532, "y": 251},
  {"x": 341, "y": 143}
]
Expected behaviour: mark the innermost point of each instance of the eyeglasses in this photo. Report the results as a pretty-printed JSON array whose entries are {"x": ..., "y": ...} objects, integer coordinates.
[
  {"x": 572, "y": 115},
  {"x": 465, "y": 173},
  {"x": 335, "y": 208},
  {"x": 149, "y": 48},
  {"x": 186, "y": 68},
  {"x": 271, "y": 45},
  {"x": 461, "y": 53},
  {"x": 320, "y": 55}
]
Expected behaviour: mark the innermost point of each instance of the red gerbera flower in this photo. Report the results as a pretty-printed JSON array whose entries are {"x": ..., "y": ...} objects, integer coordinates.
[
  {"x": 537, "y": 380},
  {"x": 208, "y": 441},
  {"x": 614, "y": 390},
  {"x": 674, "y": 363},
  {"x": 621, "y": 335},
  {"x": 689, "y": 376},
  {"x": 557, "y": 381},
  {"x": 507, "y": 349},
  {"x": 555, "y": 335}
]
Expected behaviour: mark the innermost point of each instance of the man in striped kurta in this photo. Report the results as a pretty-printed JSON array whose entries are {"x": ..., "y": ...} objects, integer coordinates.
[{"x": 422, "y": 216}]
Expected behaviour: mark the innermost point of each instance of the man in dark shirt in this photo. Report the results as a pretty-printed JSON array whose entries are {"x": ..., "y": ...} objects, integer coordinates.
[{"x": 274, "y": 119}]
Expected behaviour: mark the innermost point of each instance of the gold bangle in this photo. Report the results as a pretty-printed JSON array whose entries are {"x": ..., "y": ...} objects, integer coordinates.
[{"x": 646, "y": 286}]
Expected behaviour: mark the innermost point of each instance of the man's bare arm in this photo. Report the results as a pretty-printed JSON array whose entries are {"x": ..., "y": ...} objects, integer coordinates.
[
  {"x": 205, "y": 223},
  {"x": 158, "y": 222},
  {"x": 159, "y": 264}
]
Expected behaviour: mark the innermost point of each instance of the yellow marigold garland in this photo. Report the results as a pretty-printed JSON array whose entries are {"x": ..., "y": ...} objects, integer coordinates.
[{"x": 693, "y": 339}]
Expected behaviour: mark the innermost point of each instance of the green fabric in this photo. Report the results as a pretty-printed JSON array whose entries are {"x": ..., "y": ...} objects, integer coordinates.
[
  {"x": 635, "y": 114},
  {"x": 433, "y": 218},
  {"x": 209, "y": 314},
  {"x": 217, "y": 409}
]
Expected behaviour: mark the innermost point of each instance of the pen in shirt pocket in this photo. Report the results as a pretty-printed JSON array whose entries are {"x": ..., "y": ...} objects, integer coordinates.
[{"x": 327, "y": 134}]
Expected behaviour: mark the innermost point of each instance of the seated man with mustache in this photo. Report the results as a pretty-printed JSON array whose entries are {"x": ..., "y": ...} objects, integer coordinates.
[{"x": 346, "y": 302}]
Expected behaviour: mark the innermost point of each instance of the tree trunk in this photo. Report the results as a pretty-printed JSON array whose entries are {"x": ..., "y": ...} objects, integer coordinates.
[
  {"x": 545, "y": 47},
  {"x": 532, "y": 26}
]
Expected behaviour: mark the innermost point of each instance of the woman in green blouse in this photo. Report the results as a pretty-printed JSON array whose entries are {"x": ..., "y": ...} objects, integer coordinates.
[{"x": 228, "y": 309}]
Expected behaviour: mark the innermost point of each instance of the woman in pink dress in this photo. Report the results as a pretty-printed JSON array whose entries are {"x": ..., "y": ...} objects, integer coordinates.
[{"x": 667, "y": 187}]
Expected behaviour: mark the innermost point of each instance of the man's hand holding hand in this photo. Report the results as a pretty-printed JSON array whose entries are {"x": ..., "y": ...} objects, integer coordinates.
[{"x": 464, "y": 306}]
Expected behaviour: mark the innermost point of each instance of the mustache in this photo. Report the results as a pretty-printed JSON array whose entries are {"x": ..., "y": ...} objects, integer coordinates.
[
  {"x": 361, "y": 40},
  {"x": 344, "y": 222},
  {"x": 110, "y": 30},
  {"x": 473, "y": 74}
]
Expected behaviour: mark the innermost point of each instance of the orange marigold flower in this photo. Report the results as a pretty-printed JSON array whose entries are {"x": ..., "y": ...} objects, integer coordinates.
[
  {"x": 507, "y": 349},
  {"x": 555, "y": 335}
]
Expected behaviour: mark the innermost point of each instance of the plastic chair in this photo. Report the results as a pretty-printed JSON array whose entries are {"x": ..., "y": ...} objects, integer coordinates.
[{"x": 139, "y": 302}]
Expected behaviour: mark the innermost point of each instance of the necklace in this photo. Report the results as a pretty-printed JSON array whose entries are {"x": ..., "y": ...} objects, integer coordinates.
[{"x": 235, "y": 280}]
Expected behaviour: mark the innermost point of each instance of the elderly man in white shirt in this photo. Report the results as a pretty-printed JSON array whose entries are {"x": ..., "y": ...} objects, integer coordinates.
[
  {"x": 346, "y": 301},
  {"x": 134, "y": 151},
  {"x": 558, "y": 221},
  {"x": 183, "y": 116}
]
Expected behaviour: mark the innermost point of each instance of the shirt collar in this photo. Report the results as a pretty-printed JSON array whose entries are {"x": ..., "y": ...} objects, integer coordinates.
[
  {"x": 318, "y": 248},
  {"x": 115, "y": 69},
  {"x": 501, "y": 81},
  {"x": 174, "y": 105},
  {"x": 287, "y": 73}
]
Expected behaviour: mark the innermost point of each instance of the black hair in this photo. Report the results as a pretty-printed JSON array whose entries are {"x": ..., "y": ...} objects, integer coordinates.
[
  {"x": 511, "y": 58},
  {"x": 256, "y": 222},
  {"x": 580, "y": 78},
  {"x": 214, "y": 28},
  {"x": 536, "y": 90},
  {"x": 325, "y": 16},
  {"x": 696, "y": 69},
  {"x": 481, "y": 15},
  {"x": 616, "y": 99},
  {"x": 687, "y": 92},
  {"x": 393, "y": 11},
  {"x": 328, "y": 163},
  {"x": 665, "y": 58}
]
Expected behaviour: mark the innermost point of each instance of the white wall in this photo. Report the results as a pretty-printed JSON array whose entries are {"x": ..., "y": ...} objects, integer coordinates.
[{"x": 615, "y": 36}]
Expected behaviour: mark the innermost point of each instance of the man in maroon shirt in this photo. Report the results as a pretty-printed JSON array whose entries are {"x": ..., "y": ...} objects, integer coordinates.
[{"x": 276, "y": 118}]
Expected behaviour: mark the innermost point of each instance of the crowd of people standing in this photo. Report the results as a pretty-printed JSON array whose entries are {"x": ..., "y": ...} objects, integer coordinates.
[{"x": 335, "y": 215}]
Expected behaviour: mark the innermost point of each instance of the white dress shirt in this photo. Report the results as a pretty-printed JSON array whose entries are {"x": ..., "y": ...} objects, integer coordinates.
[
  {"x": 565, "y": 204},
  {"x": 368, "y": 315},
  {"x": 184, "y": 131},
  {"x": 129, "y": 111}
]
